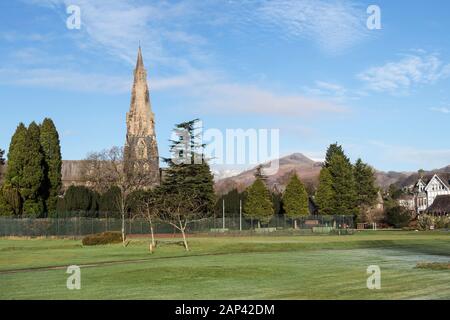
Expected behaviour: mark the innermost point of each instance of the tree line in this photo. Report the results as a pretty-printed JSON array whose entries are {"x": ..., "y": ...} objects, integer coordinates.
[
  {"x": 344, "y": 189},
  {"x": 32, "y": 181}
]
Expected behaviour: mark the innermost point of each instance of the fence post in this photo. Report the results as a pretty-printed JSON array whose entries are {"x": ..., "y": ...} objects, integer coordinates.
[
  {"x": 240, "y": 215},
  {"x": 223, "y": 214}
]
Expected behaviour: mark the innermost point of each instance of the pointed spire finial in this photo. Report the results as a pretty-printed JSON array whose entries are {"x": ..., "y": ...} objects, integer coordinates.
[{"x": 140, "y": 62}]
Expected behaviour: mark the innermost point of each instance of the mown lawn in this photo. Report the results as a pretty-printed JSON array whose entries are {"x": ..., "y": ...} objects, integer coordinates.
[{"x": 297, "y": 267}]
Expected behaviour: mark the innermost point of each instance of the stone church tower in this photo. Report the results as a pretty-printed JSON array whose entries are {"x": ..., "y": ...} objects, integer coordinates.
[{"x": 141, "y": 142}]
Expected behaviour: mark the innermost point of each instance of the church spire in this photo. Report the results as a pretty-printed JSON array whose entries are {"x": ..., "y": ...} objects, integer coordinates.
[
  {"x": 140, "y": 61},
  {"x": 141, "y": 142}
]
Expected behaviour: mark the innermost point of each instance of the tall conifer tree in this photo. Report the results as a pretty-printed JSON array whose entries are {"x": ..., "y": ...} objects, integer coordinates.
[
  {"x": 188, "y": 169},
  {"x": 16, "y": 163},
  {"x": 365, "y": 185},
  {"x": 333, "y": 149},
  {"x": 258, "y": 204},
  {"x": 325, "y": 195},
  {"x": 33, "y": 173},
  {"x": 344, "y": 187},
  {"x": 295, "y": 199},
  {"x": 51, "y": 149}
]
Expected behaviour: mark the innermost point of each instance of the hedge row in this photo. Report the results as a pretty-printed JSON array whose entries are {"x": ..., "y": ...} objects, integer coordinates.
[{"x": 102, "y": 238}]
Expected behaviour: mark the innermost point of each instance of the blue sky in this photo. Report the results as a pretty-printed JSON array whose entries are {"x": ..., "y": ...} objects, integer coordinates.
[{"x": 309, "y": 68}]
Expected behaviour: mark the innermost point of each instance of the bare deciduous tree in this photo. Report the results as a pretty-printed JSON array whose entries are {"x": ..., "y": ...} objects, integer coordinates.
[
  {"x": 147, "y": 208},
  {"x": 104, "y": 170},
  {"x": 179, "y": 209}
]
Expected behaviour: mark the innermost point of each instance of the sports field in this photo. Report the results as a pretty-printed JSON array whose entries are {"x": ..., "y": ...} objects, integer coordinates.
[{"x": 296, "y": 267}]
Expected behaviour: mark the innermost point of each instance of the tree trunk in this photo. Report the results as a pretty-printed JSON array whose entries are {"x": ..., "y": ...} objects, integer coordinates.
[
  {"x": 152, "y": 234},
  {"x": 123, "y": 229},
  {"x": 259, "y": 224},
  {"x": 295, "y": 224},
  {"x": 186, "y": 246}
]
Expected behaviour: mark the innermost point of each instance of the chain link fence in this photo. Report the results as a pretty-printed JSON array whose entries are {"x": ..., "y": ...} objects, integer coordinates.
[{"x": 81, "y": 226}]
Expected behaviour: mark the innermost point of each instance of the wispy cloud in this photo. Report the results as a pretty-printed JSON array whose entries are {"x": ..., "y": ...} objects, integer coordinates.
[
  {"x": 243, "y": 98},
  {"x": 441, "y": 110},
  {"x": 65, "y": 79},
  {"x": 208, "y": 92},
  {"x": 327, "y": 89},
  {"x": 12, "y": 36},
  {"x": 333, "y": 25},
  {"x": 116, "y": 27},
  {"x": 400, "y": 76}
]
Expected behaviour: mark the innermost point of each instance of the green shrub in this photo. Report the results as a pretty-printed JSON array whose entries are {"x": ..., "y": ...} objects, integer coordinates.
[
  {"x": 425, "y": 221},
  {"x": 102, "y": 238},
  {"x": 442, "y": 222},
  {"x": 398, "y": 217}
]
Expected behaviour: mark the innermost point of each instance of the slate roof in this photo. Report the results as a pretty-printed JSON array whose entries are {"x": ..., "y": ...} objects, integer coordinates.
[{"x": 440, "y": 205}]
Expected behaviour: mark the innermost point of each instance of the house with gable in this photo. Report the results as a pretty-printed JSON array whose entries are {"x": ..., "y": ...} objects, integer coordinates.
[{"x": 425, "y": 192}]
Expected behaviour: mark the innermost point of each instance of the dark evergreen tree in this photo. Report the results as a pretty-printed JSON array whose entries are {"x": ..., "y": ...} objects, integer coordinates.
[
  {"x": 2, "y": 159},
  {"x": 33, "y": 173},
  {"x": 344, "y": 188},
  {"x": 324, "y": 197},
  {"x": 394, "y": 192},
  {"x": 25, "y": 174},
  {"x": 365, "y": 185},
  {"x": 258, "y": 204},
  {"x": 333, "y": 149},
  {"x": 188, "y": 170},
  {"x": 16, "y": 160},
  {"x": 232, "y": 200},
  {"x": 277, "y": 201},
  {"x": 78, "y": 201},
  {"x": 295, "y": 200},
  {"x": 51, "y": 148},
  {"x": 398, "y": 216},
  {"x": 4, "y": 207},
  {"x": 10, "y": 201},
  {"x": 108, "y": 204}
]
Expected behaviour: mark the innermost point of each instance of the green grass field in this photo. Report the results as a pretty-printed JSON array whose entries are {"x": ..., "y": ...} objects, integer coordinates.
[{"x": 296, "y": 267}]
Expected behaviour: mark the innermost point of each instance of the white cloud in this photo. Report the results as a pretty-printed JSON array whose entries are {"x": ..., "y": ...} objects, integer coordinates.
[
  {"x": 400, "y": 76},
  {"x": 65, "y": 79},
  {"x": 116, "y": 27},
  {"x": 441, "y": 110},
  {"x": 234, "y": 98},
  {"x": 205, "y": 91},
  {"x": 334, "y": 25},
  {"x": 326, "y": 89}
]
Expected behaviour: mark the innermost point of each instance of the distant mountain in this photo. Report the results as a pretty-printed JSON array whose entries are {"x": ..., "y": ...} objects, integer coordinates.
[
  {"x": 308, "y": 170},
  {"x": 385, "y": 179}
]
